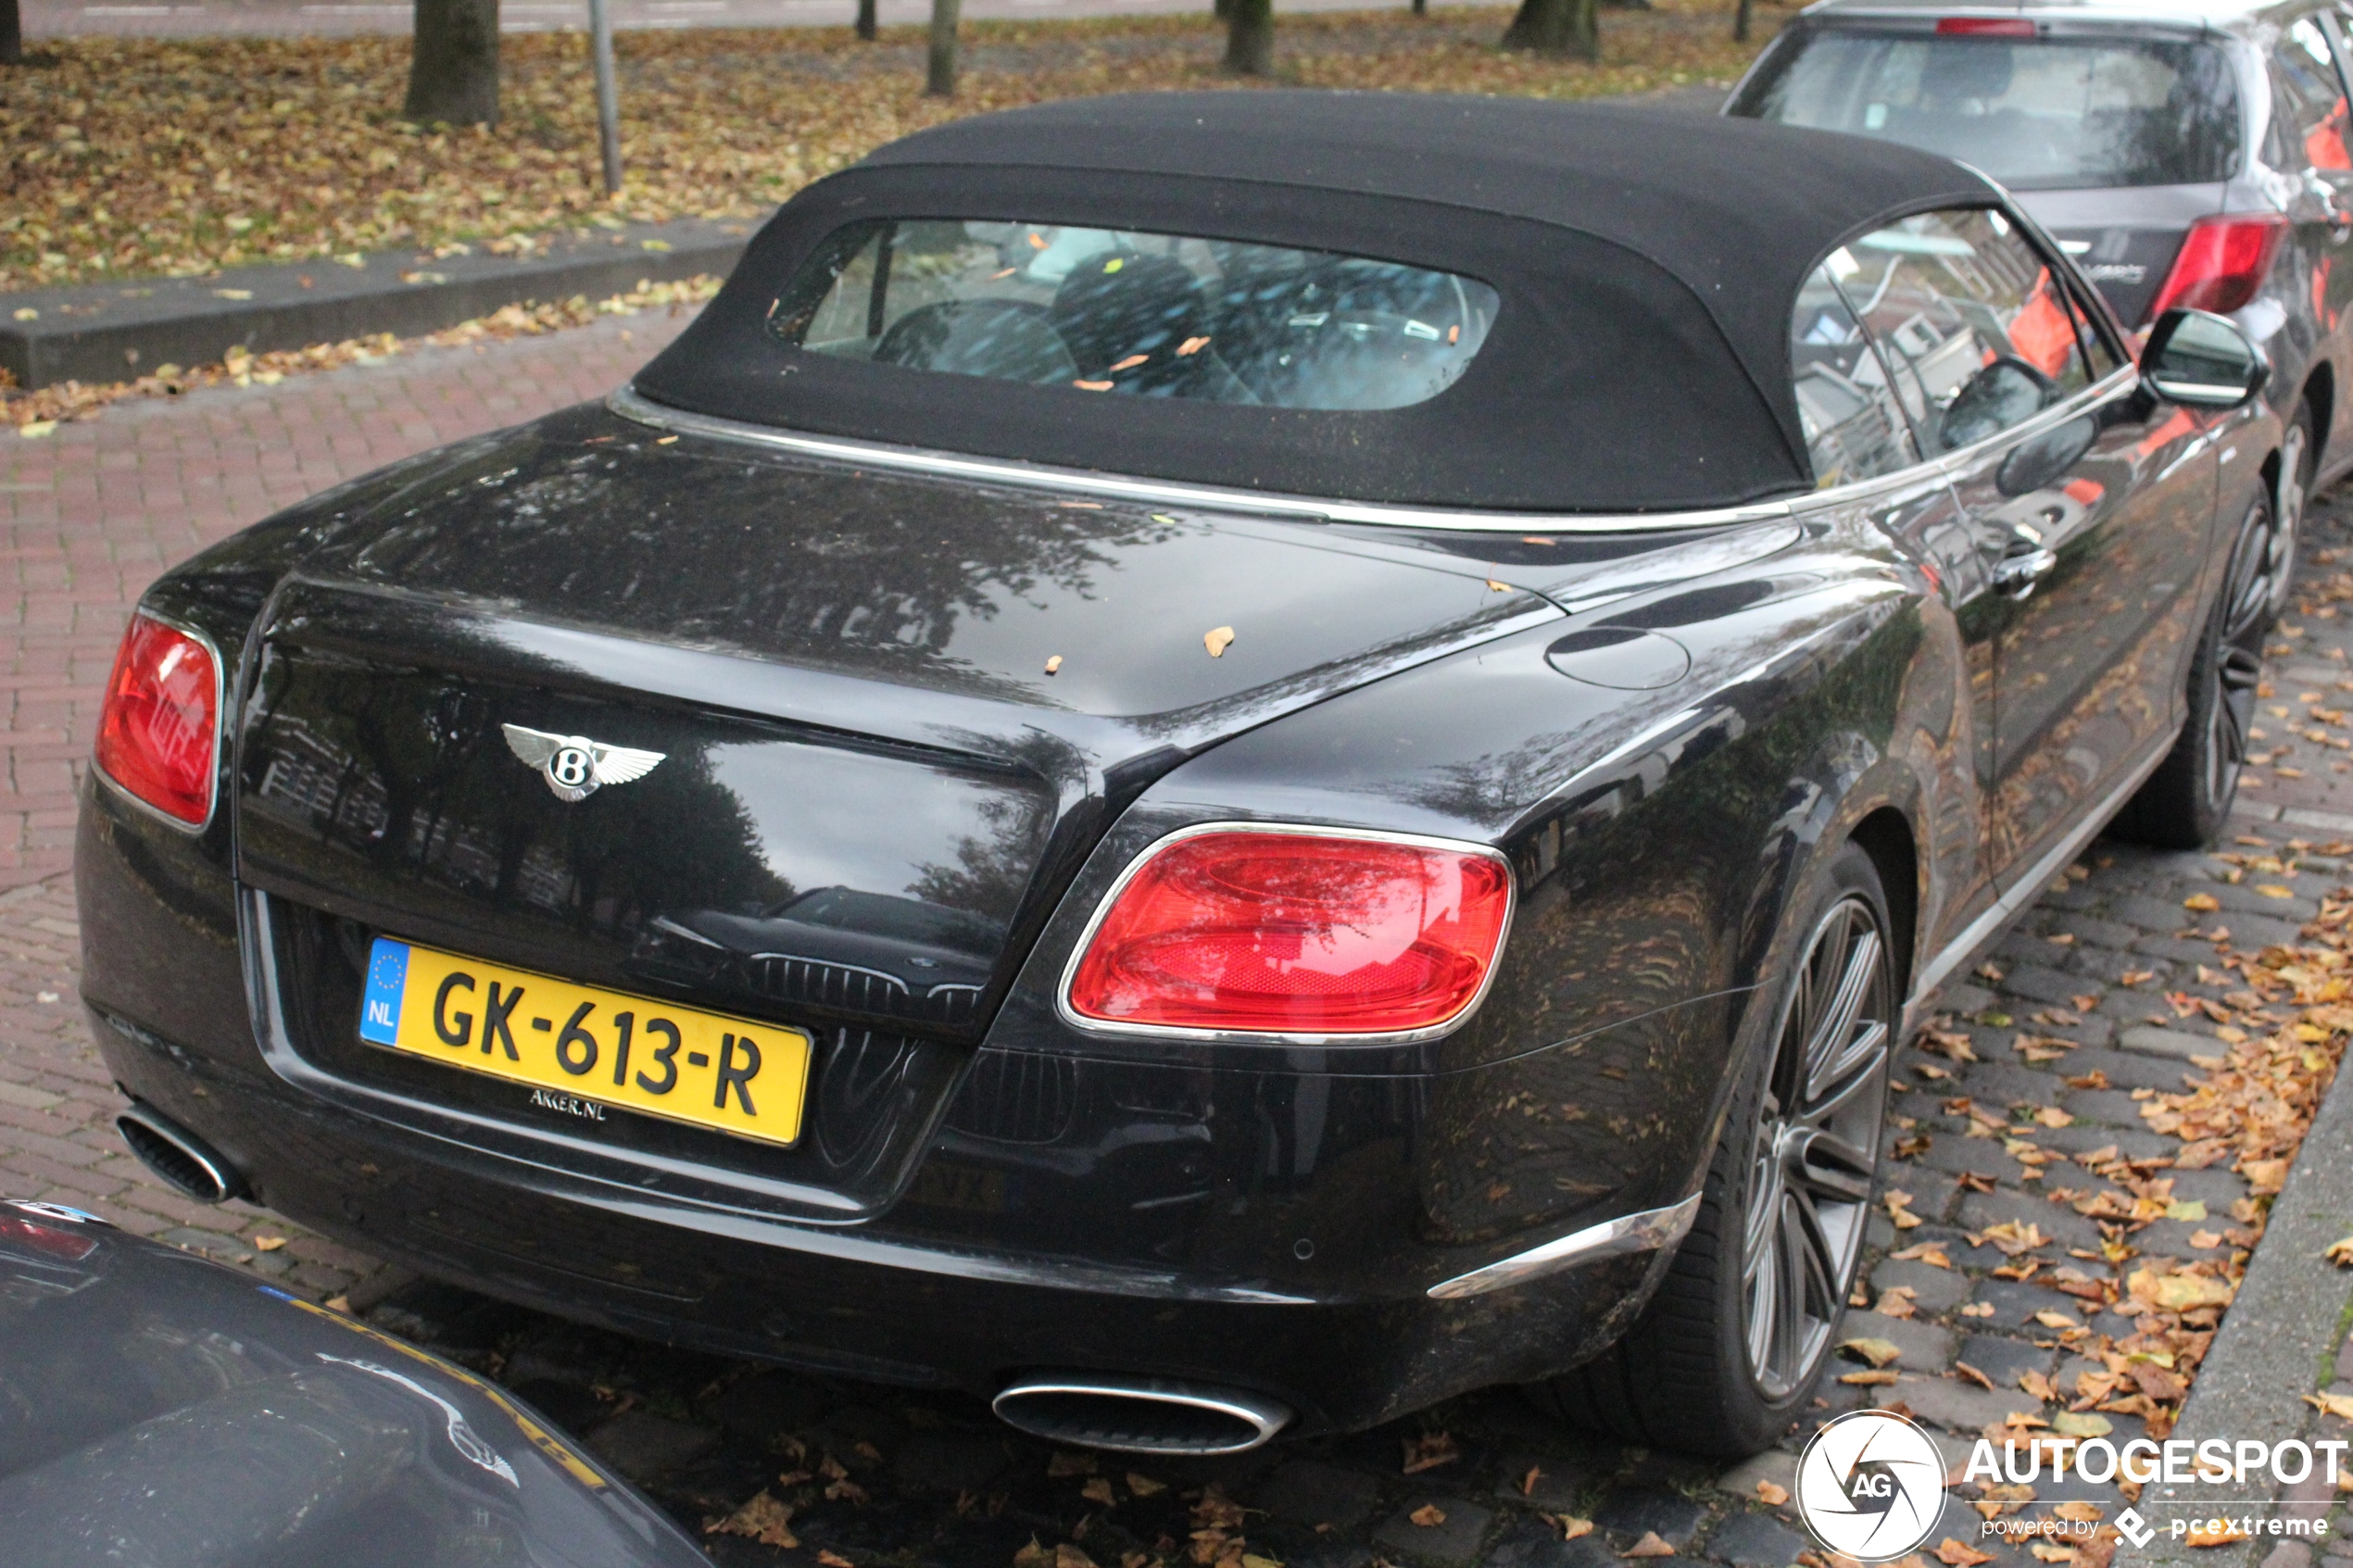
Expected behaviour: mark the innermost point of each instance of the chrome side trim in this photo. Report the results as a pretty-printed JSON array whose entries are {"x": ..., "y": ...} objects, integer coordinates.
[
  {"x": 219, "y": 727},
  {"x": 1263, "y": 1417},
  {"x": 630, "y": 405},
  {"x": 1649, "y": 1231},
  {"x": 1090, "y": 1024},
  {"x": 2031, "y": 885}
]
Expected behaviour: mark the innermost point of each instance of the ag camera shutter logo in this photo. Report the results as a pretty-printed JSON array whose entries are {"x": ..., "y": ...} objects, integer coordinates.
[{"x": 1871, "y": 1486}]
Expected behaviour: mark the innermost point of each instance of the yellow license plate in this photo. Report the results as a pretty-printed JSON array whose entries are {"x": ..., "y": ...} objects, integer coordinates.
[{"x": 583, "y": 1049}]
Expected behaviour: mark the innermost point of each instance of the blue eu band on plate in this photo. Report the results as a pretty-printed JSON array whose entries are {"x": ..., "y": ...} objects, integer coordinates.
[{"x": 605, "y": 1048}]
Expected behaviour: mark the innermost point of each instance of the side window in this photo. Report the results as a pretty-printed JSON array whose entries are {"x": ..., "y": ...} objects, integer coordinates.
[
  {"x": 1979, "y": 334},
  {"x": 2309, "y": 111},
  {"x": 2103, "y": 358},
  {"x": 1855, "y": 428}
]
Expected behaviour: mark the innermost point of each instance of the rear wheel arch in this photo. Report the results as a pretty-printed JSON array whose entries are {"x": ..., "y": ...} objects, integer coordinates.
[{"x": 1886, "y": 836}]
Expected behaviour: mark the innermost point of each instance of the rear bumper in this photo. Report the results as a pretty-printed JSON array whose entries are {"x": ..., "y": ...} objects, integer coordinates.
[
  {"x": 854, "y": 1301},
  {"x": 1272, "y": 1229}
]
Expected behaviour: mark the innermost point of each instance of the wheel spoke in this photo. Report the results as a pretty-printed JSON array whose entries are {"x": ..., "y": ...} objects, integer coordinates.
[
  {"x": 2241, "y": 669},
  {"x": 1852, "y": 956},
  {"x": 1869, "y": 1050},
  {"x": 1834, "y": 1169},
  {"x": 1789, "y": 1341},
  {"x": 1764, "y": 1307},
  {"x": 1819, "y": 1258},
  {"x": 1836, "y": 1048}
]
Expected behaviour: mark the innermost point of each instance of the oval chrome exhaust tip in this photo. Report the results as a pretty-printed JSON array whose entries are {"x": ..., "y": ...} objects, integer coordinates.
[
  {"x": 1139, "y": 1416},
  {"x": 182, "y": 1159}
]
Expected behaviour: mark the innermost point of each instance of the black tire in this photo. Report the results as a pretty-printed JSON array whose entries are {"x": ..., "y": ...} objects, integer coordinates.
[
  {"x": 1704, "y": 1370},
  {"x": 2185, "y": 802},
  {"x": 2299, "y": 456}
]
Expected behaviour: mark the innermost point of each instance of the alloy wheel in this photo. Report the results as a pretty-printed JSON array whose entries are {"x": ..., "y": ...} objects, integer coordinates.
[
  {"x": 2237, "y": 666},
  {"x": 1816, "y": 1148},
  {"x": 2287, "y": 514}
]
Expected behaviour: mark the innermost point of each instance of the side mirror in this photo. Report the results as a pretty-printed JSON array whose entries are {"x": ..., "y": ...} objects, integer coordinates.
[{"x": 2202, "y": 360}]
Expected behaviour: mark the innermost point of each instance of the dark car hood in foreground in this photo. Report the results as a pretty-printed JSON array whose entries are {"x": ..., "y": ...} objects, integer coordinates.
[
  {"x": 927, "y": 694},
  {"x": 159, "y": 1409}
]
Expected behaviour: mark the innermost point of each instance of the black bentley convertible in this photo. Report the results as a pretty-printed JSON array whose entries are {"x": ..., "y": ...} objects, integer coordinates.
[{"x": 1210, "y": 764}]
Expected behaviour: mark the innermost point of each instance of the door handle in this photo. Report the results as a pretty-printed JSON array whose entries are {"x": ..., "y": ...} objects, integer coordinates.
[{"x": 2017, "y": 574}]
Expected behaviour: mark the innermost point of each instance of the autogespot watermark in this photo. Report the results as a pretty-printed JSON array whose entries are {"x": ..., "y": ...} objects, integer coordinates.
[{"x": 1871, "y": 1486}]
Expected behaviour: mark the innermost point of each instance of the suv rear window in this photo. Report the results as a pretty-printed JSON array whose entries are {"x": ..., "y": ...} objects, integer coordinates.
[
  {"x": 2036, "y": 114},
  {"x": 1146, "y": 315}
]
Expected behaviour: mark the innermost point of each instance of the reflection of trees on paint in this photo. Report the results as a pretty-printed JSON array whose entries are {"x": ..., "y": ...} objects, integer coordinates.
[
  {"x": 819, "y": 558},
  {"x": 394, "y": 772}
]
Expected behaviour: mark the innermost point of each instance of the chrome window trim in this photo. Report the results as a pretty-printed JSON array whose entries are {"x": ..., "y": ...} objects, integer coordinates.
[
  {"x": 219, "y": 727},
  {"x": 1646, "y": 1231},
  {"x": 2123, "y": 379},
  {"x": 630, "y": 405},
  {"x": 1103, "y": 1026},
  {"x": 634, "y": 406}
]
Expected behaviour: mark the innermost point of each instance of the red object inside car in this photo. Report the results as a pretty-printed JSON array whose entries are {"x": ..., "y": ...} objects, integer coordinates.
[
  {"x": 2222, "y": 262},
  {"x": 157, "y": 734},
  {"x": 1298, "y": 933}
]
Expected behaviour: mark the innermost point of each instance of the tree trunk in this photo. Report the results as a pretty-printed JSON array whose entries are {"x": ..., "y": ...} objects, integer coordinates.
[
  {"x": 11, "y": 34},
  {"x": 1741, "y": 21},
  {"x": 1556, "y": 27},
  {"x": 941, "y": 82},
  {"x": 1250, "y": 37},
  {"x": 1222, "y": 10},
  {"x": 1421, "y": 7},
  {"x": 866, "y": 21},
  {"x": 453, "y": 76}
]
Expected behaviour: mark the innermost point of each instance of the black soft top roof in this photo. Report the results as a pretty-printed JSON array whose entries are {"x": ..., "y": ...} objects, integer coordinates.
[{"x": 1647, "y": 259}]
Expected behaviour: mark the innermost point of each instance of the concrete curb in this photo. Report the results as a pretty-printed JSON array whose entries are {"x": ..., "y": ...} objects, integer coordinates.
[
  {"x": 2279, "y": 1335},
  {"x": 112, "y": 331}
]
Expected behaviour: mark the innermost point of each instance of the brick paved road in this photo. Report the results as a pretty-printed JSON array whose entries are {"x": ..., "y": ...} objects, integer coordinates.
[
  {"x": 927, "y": 1478},
  {"x": 87, "y": 518}
]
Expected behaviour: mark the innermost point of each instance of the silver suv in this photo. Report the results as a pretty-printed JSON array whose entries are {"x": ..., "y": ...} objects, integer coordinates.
[{"x": 2185, "y": 157}]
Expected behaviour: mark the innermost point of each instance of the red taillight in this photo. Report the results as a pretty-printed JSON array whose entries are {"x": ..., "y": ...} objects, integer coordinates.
[
  {"x": 44, "y": 1238},
  {"x": 2222, "y": 262},
  {"x": 1985, "y": 27},
  {"x": 1295, "y": 933},
  {"x": 157, "y": 733}
]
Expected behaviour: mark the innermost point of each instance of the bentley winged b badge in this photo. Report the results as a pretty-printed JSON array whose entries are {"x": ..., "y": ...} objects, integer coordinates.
[{"x": 573, "y": 765}]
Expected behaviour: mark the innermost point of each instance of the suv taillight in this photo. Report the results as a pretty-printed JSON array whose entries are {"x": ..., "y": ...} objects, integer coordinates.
[
  {"x": 1297, "y": 933},
  {"x": 2222, "y": 262},
  {"x": 157, "y": 734}
]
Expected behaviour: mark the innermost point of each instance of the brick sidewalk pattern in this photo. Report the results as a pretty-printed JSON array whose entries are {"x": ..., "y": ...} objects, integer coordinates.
[
  {"x": 90, "y": 515},
  {"x": 930, "y": 1478}
]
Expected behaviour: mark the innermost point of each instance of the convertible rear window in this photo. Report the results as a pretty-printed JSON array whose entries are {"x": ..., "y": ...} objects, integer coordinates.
[
  {"x": 2034, "y": 113},
  {"x": 1146, "y": 315}
]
